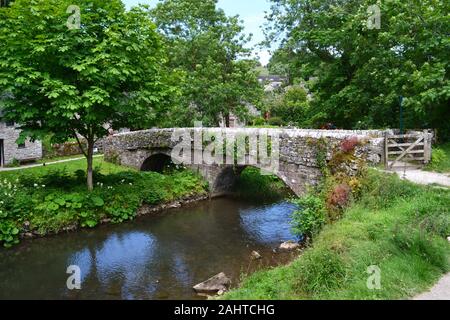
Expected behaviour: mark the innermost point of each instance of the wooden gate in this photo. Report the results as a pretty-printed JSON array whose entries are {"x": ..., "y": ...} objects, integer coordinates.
[{"x": 412, "y": 148}]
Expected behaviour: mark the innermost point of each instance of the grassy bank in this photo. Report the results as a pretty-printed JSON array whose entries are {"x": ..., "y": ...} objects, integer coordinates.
[
  {"x": 397, "y": 226},
  {"x": 440, "y": 159},
  {"x": 54, "y": 198}
]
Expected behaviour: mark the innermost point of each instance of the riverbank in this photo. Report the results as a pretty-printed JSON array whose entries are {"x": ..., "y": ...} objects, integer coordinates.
[
  {"x": 43, "y": 201},
  {"x": 396, "y": 229}
]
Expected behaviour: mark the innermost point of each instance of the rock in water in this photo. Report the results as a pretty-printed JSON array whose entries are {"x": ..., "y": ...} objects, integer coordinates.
[
  {"x": 289, "y": 245},
  {"x": 255, "y": 255},
  {"x": 214, "y": 285}
]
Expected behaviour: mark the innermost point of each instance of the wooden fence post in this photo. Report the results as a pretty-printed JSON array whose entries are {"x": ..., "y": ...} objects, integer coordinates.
[
  {"x": 386, "y": 150},
  {"x": 427, "y": 146}
]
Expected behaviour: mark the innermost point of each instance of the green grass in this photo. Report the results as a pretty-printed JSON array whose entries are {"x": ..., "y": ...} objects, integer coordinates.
[
  {"x": 53, "y": 198},
  {"x": 397, "y": 226},
  {"x": 440, "y": 159},
  {"x": 71, "y": 167}
]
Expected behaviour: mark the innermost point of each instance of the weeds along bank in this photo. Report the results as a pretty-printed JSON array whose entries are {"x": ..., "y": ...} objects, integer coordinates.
[
  {"x": 357, "y": 224},
  {"x": 47, "y": 200}
]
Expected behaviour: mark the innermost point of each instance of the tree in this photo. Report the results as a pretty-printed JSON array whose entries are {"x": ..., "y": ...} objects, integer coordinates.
[
  {"x": 362, "y": 71},
  {"x": 79, "y": 82},
  {"x": 290, "y": 104},
  {"x": 208, "y": 49}
]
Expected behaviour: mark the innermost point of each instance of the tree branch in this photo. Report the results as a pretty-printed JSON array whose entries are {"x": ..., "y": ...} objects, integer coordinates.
[{"x": 80, "y": 144}]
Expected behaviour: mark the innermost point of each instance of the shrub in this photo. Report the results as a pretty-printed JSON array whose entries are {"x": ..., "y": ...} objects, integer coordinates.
[
  {"x": 9, "y": 233},
  {"x": 275, "y": 121},
  {"x": 311, "y": 216},
  {"x": 349, "y": 144},
  {"x": 258, "y": 121},
  {"x": 339, "y": 197}
]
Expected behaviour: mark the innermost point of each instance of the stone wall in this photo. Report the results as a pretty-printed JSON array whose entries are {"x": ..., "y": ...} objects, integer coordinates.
[
  {"x": 298, "y": 164},
  {"x": 9, "y": 135}
]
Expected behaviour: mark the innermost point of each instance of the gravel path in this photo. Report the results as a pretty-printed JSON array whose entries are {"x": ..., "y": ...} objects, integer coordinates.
[
  {"x": 425, "y": 177},
  {"x": 441, "y": 291},
  {"x": 44, "y": 164}
]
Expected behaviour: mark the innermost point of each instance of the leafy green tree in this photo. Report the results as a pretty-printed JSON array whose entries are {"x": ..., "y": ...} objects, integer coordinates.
[
  {"x": 79, "y": 82},
  {"x": 291, "y": 105},
  {"x": 361, "y": 71},
  {"x": 208, "y": 49}
]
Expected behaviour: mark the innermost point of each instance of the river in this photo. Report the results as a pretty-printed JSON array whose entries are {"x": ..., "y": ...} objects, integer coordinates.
[{"x": 153, "y": 257}]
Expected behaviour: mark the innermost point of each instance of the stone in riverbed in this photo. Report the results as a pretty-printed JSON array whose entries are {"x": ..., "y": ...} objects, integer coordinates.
[
  {"x": 255, "y": 255},
  {"x": 214, "y": 285},
  {"x": 28, "y": 235},
  {"x": 289, "y": 245}
]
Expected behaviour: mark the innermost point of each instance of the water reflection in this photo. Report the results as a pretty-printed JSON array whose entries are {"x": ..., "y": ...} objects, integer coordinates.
[
  {"x": 268, "y": 224},
  {"x": 152, "y": 258}
]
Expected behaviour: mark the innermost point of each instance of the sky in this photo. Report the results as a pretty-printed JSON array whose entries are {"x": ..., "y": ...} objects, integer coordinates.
[{"x": 250, "y": 11}]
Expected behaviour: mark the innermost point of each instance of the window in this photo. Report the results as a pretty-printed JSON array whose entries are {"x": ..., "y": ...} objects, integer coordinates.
[
  {"x": 21, "y": 145},
  {"x": 10, "y": 123}
]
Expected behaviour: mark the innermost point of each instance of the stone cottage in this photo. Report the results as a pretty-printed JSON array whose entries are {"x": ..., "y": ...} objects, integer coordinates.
[{"x": 10, "y": 150}]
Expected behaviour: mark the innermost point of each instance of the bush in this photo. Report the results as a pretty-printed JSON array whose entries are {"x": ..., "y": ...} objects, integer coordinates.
[
  {"x": 275, "y": 121},
  {"x": 311, "y": 216},
  {"x": 258, "y": 121},
  {"x": 349, "y": 144},
  {"x": 339, "y": 197}
]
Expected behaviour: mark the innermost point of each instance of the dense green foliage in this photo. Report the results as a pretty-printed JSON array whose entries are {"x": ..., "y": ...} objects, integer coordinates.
[
  {"x": 253, "y": 185},
  {"x": 311, "y": 216},
  {"x": 51, "y": 199},
  {"x": 70, "y": 82},
  {"x": 440, "y": 159},
  {"x": 395, "y": 225},
  {"x": 207, "y": 50},
  {"x": 359, "y": 73},
  {"x": 289, "y": 106}
]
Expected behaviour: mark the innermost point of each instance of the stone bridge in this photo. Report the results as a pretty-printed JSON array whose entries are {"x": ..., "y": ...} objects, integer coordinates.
[{"x": 297, "y": 164}]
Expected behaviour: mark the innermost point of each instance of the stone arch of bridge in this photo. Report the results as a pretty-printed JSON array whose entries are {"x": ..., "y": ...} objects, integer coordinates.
[
  {"x": 157, "y": 162},
  {"x": 225, "y": 181},
  {"x": 222, "y": 179}
]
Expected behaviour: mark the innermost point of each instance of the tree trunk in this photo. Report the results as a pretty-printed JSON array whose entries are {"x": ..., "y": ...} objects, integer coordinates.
[
  {"x": 227, "y": 120},
  {"x": 90, "y": 162}
]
